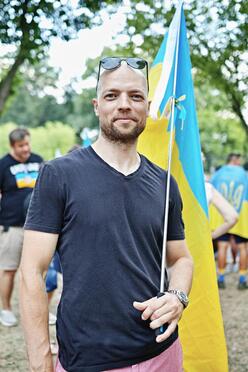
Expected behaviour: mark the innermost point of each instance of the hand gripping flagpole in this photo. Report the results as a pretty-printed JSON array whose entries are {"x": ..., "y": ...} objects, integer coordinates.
[{"x": 166, "y": 210}]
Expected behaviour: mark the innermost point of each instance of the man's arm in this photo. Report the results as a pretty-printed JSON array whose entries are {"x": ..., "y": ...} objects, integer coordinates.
[
  {"x": 38, "y": 250},
  {"x": 168, "y": 308}
]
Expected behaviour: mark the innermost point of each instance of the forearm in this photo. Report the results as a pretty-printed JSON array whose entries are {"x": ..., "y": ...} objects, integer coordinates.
[
  {"x": 181, "y": 273},
  {"x": 221, "y": 230},
  {"x": 34, "y": 314}
]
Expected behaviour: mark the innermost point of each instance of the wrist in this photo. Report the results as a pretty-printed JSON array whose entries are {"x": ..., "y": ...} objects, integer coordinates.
[{"x": 182, "y": 296}]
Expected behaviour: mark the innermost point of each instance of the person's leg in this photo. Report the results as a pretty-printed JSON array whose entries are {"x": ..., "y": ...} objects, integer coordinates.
[
  {"x": 242, "y": 264},
  {"x": 246, "y": 245},
  {"x": 222, "y": 249},
  {"x": 6, "y": 287},
  {"x": 50, "y": 296},
  {"x": 11, "y": 240}
]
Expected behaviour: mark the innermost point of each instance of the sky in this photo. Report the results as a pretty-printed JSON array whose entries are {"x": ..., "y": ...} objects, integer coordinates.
[{"x": 70, "y": 57}]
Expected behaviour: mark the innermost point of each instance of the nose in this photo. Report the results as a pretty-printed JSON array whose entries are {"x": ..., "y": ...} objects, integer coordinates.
[{"x": 124, "y": 102}]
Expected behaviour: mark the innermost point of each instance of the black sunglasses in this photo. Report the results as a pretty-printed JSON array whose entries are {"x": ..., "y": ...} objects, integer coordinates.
[{"x": 111, "y": 63}]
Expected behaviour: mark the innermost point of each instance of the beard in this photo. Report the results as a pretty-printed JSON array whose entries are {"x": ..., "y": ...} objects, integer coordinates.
[{"x": 116, "y": 135}]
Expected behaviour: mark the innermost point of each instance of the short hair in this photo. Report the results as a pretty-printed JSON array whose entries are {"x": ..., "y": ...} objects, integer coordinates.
[
  {"x": 17, "y": 135},
  {"x": 232, "y": 155}
]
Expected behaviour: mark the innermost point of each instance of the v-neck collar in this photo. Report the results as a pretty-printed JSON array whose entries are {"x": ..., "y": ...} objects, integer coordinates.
[{"x": 137, "y": 172}]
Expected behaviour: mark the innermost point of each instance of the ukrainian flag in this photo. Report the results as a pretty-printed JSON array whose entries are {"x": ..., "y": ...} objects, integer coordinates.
[{"x": 201, "y": 328}]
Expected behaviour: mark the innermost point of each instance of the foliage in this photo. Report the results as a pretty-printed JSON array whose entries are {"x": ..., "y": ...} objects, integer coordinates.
[
  {"x": 4, "y": 140},
  {"x": 30, "y": 25},
  {"x": 45, "y": 140},
  {"x": 31, "y": 110},
  {"x": 80, "y": 113},
  {"x": 220, "y": 131}
]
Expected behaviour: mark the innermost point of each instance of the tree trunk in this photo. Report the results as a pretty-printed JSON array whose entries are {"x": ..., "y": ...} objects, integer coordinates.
[
  {"x": 6, "y": 83},
  {"x": 237, "y": 109}
]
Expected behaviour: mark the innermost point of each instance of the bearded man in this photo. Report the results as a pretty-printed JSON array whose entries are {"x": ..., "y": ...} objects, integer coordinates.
[{"x": 102, "y": 209}]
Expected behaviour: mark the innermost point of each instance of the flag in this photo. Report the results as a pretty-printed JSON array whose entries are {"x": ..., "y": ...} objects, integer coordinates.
[
  {"x": 201, "y": 327},
  {"x": 232, "y": 182}
]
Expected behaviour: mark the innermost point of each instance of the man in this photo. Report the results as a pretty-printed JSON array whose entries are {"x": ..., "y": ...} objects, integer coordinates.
[
  {"x": 231, "y": 181},
  {"x": 102, "y": 208},
  {"x": 18, "y": 173}
]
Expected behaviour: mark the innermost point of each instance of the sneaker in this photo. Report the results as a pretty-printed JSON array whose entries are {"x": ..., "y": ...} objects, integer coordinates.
[
  {"x": 52, "y": 319},
  {"x": 242, "y": 285},
  {"x": 7, "y": 318},
  {"x": 221, "y": 284}
]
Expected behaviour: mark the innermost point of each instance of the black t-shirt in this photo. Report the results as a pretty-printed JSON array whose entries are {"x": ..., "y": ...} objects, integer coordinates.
[
  {"x": 110, "y": 230},
  {"x": 16, "y": 183}
]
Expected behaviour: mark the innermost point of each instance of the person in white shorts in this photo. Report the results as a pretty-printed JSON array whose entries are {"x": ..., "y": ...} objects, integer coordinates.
[{"x": 18, "y": 173}]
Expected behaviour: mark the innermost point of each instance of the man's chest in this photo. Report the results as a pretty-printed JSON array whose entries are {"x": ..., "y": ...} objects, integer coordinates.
[{"x": 115, "y": 202}]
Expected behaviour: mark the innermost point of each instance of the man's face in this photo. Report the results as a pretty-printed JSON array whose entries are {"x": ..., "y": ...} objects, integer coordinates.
[
  {"x": 237, "y": 160},
  {"x": 21, "y": 149},
  {"x": 122, "y": 104}
]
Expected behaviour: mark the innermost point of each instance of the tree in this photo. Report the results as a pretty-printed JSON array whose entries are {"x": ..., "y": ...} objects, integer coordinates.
[
  {"x": 80, "y": 112},
  {"x": 220, "y": 131},
  {"x": 218, "y": 36},
  {"x": 29, "y": 25}
]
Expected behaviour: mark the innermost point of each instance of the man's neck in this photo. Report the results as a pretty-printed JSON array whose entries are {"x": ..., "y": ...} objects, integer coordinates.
[
  {"x": 21, "y": 160},
  {"x": 122, "y": 157}
]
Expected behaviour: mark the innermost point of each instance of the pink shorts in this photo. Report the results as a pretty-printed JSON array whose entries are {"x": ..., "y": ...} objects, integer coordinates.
[{"x": 170, "y": 360}]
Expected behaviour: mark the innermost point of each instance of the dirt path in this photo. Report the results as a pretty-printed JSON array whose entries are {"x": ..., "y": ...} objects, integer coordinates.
[{"x": 235, "y": 313}]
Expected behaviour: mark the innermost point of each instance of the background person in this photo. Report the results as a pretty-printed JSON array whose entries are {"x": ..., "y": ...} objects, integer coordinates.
[
  {"x": 227, "y": 211},
  {"x": 96, "y": 205},
  {"x": 231, "y": 181},
  {"x": 18, "y": 173}
]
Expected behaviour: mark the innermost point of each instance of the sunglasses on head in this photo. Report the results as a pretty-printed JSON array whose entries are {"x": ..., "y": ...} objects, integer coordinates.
[{"x": 112, "y": 63}]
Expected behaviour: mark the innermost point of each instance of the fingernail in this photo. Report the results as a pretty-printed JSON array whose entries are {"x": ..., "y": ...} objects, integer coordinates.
[{"x": 142, "y": 316}]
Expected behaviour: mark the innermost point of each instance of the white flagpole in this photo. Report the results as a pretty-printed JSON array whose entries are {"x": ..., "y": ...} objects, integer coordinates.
[{"x": 163, "y": 263}]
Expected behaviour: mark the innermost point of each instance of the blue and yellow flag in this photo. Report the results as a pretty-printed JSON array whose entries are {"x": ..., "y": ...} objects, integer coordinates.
[
  {"x": 201, "y": 328},
  {"x": 232, "y": 182}
]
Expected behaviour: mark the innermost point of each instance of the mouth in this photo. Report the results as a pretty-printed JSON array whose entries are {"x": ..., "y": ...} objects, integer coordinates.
[{"x": 124, "y": 120}]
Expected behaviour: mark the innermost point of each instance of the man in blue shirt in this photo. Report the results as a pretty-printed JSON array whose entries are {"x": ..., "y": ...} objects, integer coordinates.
[{"x": 231, "y": 181}]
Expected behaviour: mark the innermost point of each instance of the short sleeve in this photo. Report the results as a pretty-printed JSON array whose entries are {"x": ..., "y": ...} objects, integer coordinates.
[
  {"x": 175, "y": 221},
  {"x": 46, "y": 207}
]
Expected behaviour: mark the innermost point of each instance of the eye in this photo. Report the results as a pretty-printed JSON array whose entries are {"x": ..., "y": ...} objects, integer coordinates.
[
  {"x": 110, "y": 96},
  {"x": 137, "y": 97}
]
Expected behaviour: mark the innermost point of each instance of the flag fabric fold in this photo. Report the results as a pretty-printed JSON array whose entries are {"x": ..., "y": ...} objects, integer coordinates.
[{"x": 201, "y": 328}]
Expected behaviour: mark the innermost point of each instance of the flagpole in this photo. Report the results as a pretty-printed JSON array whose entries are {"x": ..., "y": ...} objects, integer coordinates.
[{"x": 166, "y": 212}]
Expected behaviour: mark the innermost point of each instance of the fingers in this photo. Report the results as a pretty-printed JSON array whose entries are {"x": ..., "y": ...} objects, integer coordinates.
[
  {"x": 150, "y": 306},
  {"x": 166, "y": 318},
  {"x": 171, "y": 328},
  {"x": 143, "y": 305},
  {"x": 166, "y": 309}
]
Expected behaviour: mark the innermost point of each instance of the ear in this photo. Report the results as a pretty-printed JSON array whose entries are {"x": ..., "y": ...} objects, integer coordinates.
[{"x": 95, "y": 104}]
